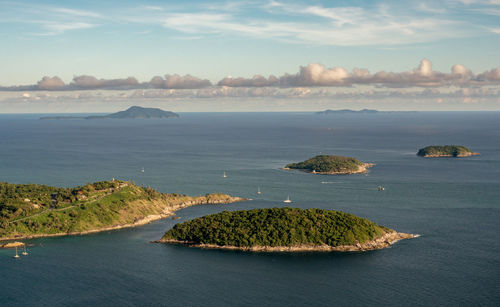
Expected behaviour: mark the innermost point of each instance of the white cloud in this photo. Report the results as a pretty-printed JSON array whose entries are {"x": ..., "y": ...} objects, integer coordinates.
[
  {"x": 153, "y": 8},
  {"x": 434, "y": 8},
  {"x": 74, "y": 12},
  {"x": 61, "y": 27},
  {"x": 343, "y": 26},
  {"x": 51, "y": 84},
  {"x": 179, "y": 82},
  {"x": 318, "y": 75},
  {"x": 91, "y": 82},
  {"x": 311, "y": 75},
  {"x": 256, "y": 81},
  {"x": 492, "y": 75},
  {"x": 331, "y": 24}
]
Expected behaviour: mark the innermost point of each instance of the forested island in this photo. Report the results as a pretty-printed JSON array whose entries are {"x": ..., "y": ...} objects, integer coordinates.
[
  {"x": 132, "y": 112},
  {"x": 331, "y": 165},
  {"x": 34, "y": 210},
  {"x": 283, "y": 229},
  {"x": 446, "y": 151}
]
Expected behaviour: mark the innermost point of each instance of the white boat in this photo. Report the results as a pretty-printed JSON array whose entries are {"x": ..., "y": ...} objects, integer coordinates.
[
  {"x": 287, "y": 200},
  {"x": 142, "y": 170},
  {"x": 25, "y": 253},
  {"x": 258, "y": 191},
  {"x": 16, "y": 256},
  {"x": 224, "y": 175}
]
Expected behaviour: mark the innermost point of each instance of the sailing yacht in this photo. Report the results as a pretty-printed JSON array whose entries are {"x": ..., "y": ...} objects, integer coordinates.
[
  {"x": 142, "y": 170},
  {"x": 287, "y": 200},
  {"x": 16, "y": 256},
  {"x": 224, "y": 175},
  {"x": 258, "y": 191},
  {"x": 24, "y": 251}
]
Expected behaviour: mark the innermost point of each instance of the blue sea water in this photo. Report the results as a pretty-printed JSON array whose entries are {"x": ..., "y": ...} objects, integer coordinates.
[{"x": 454, "y": 204}]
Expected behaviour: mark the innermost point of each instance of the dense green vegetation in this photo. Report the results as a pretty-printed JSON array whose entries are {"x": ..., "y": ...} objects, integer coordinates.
[
  {"x": 277, "y": 227},
  {"x": 328, "y": 164},
  {"x": 447, "y": 150},
  {"x": 18, "y": 199},
  {"x": 32, "y": 209}
]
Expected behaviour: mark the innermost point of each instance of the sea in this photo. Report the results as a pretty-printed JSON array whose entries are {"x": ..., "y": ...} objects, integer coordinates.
[{"x": 452, "y": 203}]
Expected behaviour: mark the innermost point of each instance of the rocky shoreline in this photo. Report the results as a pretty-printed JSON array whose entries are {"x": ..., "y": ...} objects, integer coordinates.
[
  {"x": 452, "y": 156},
  {"x": 362, "y": 169},
  {"x": 12, "y": 244},
  {"x": 168, "y": 211},
  {"x": 383, "y": 242}
]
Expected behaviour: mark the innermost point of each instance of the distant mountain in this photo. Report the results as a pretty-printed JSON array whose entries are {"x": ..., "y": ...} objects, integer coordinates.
[
  {"x": 138, "y": 112},
  {"x": 132, "y": 112},
  {"x": 347, "y": 111}
]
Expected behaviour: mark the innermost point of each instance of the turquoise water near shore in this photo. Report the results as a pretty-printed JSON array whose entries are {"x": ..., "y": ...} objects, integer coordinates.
[{"x": 453, "y": 203}]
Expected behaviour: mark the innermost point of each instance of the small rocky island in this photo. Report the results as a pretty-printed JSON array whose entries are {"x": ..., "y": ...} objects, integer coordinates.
[
  {"x": 446, "y": 151},
  {"x": 331, "y": 165},
  {"x": 283, "y": 230},
  {"x": 35, "y": 210},
  {"x": 132, "y": 112}
]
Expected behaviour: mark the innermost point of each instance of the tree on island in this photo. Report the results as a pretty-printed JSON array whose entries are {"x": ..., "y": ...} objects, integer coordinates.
[
  {"x": 445, "y": 151},
  {"x": 330, "y": 164},
  {"x": 277, "y": 227}
]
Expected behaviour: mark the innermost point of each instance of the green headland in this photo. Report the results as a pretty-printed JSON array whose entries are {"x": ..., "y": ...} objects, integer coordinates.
[
  {"x": 283, "y": 229},
  {"x": 33, "y": 210},
  {"x": 446, "y": 151},
  {"x": 331, "y": 165}
]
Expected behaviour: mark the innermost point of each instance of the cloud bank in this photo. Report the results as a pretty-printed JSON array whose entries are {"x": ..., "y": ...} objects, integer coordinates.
[
  {"x": 311, "y": 75},
  {"x": 317, "y": 75},
  {"x": 179, "y": 82},
  {"x": 86, "y": 82}
]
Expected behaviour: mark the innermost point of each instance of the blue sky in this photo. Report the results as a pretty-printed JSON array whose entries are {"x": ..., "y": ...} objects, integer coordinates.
[{"x": 211, "y": 40}]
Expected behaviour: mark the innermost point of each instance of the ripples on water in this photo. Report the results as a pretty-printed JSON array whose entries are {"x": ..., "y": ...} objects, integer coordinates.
[{"x": 452, "y": 203}]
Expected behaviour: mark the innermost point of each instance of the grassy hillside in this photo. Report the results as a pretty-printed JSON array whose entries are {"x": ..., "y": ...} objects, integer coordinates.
[
  {"x": 277, "y": 227},
  {"x": 29, "y": 209},
  {"x": 328, "y": 164}
]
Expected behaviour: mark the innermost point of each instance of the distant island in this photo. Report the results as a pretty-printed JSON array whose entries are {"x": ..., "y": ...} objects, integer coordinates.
[
  {"x": 283, "y": 230},
  {"x": 446, "y": 151},
  {"x": 331, "y": 165},
  {"x": 132, "y": 112},
  {"x": 33, "y": 210},
  {"x": 347, "y": 111}
]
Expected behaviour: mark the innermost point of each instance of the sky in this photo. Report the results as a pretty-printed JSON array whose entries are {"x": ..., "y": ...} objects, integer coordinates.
[{"x": 97, "y": 56}]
